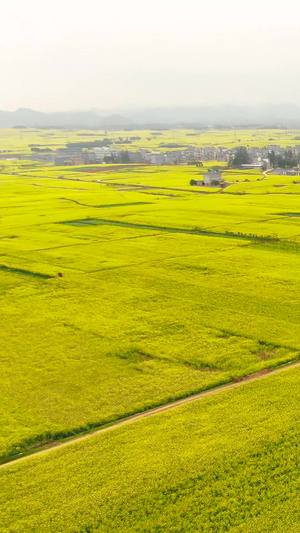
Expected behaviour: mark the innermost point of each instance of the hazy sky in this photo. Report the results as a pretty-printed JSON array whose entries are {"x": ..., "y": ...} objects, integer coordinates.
[{"x": 79, "y": 54}]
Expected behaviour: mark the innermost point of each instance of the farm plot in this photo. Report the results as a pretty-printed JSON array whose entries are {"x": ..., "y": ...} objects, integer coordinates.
[
  {"x": 189, "y": 469},
  {"x": 103, "y": 320}
]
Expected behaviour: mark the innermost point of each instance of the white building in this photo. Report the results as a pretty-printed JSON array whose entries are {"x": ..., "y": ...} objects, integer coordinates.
[
  {"x": 104, "y": 151},
  {"x": 213, "y": 177},
  {"x": 157, "y": 158}
]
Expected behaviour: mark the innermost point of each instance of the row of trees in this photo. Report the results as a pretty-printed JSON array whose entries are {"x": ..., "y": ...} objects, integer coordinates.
[{"x": 288, "y": 160}]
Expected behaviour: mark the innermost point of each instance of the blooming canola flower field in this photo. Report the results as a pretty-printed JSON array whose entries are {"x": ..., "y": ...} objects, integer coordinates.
[
  {"x": 226, "y": 463},
  {"x": 113, "y": 301},
  {"x": 128, "y": 288}
]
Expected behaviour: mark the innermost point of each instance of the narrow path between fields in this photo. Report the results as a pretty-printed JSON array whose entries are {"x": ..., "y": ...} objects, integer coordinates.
[
  {"x": 48, "y": 447},
  {"x": 267, "y": 172}
]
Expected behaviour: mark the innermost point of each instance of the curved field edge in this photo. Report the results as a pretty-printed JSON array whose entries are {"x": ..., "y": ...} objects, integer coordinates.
[{"x": 184, "y": 470}]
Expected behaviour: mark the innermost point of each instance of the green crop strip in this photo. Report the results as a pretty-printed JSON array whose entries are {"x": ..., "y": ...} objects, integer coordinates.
[
  {"x": 228, "y": 234},
  {"x": 103, "y": 206}
]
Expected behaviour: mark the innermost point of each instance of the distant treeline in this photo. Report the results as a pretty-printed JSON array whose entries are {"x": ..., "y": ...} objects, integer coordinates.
[
  {"x": 173, "y": 145},
  {"x": 40, "y": 150},
  {"x": 104, "y": 142},
  {"x": 90, "y": 144}
]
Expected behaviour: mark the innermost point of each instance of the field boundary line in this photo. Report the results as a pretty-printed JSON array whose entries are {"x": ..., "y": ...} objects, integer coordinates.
[{"x": 237, "y": 382}]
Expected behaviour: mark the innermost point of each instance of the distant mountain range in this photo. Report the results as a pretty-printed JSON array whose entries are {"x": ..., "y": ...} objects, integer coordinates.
[
  {"x": 36, "y": 119},
  {"x": 160, "y": 117}
]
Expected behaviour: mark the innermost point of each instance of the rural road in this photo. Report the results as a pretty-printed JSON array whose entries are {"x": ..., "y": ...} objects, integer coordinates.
[
  {"x": 156, "y": 410},
  {"x": 266, "y": 173}
]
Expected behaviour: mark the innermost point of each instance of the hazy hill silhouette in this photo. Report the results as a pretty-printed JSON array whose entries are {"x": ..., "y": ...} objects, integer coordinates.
[{"x": 202, "y": 116}]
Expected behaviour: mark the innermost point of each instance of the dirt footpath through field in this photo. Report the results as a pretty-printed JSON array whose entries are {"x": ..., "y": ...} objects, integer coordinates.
[{"x": 51, "y": 445}]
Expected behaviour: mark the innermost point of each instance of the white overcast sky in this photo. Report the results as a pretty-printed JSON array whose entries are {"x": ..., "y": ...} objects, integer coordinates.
[{"x": 80, "y": 54}]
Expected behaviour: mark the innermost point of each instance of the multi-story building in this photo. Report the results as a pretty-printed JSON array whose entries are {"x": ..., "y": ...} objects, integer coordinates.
[{"x": 104, "y": 151}]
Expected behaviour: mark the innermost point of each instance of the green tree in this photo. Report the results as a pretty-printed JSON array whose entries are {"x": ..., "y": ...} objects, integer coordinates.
[
  {"x": 241, "y": 157},
  {"x": 124, "y": 156}
]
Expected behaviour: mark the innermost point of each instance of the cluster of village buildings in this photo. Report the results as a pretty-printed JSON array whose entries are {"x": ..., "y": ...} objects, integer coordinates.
[
  {"x": 74, "y": 155},
  {"x": 77, "y": 156}
]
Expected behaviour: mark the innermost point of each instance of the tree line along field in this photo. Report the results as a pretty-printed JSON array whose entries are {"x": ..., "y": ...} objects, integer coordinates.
[
  {"x": 115, "y": 299},
  {"x": 225, "y": 463}
]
